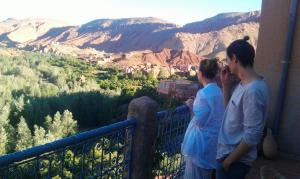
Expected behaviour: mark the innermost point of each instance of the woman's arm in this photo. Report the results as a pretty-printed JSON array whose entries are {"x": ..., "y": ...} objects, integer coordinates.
[{"x": 189, "y": 104}]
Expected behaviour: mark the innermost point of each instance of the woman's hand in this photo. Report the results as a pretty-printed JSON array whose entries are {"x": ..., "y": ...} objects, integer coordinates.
[{"x": 190, "y": 102}]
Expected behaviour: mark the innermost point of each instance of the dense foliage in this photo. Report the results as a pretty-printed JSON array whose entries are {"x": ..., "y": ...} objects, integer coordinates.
[{"x": 43, "y": 94}]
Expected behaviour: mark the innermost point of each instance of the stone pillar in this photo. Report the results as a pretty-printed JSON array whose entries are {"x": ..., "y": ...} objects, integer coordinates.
[{"x": 144, "y": 110}]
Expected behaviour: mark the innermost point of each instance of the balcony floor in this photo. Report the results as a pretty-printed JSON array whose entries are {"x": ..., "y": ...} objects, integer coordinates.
[{"x": 288, "y": 168}]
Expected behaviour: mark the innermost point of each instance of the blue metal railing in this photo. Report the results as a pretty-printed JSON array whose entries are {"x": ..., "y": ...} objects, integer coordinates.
[
  {"x": 172, "y": 125},
  {"x": 101, "y": 153}
]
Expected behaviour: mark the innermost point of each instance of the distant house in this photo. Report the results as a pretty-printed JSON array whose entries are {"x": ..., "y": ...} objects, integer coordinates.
[
  {"x": 179, "y": 89},
  {"x": 165, "y": 87}
]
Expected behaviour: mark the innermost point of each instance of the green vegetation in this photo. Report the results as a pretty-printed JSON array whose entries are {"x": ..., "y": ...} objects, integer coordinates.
[
  {"x": 46, "y": 97},
  {"x": 103, "y": 157}
]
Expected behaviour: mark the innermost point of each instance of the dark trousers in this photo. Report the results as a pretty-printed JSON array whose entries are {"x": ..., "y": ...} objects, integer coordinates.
[{"x": 237, "y": 170}]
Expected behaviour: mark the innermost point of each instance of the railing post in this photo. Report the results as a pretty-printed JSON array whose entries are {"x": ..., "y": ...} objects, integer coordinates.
[{"x": 144, "y": 110}]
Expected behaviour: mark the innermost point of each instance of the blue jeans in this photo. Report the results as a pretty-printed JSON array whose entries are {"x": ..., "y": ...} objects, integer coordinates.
[{"x": 237, "y": 170}]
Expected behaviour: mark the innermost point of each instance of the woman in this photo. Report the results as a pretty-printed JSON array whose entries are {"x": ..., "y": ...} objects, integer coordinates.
[{"x": 200, "y": 141}]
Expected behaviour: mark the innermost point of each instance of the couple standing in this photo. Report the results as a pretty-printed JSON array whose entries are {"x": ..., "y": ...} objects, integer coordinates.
[{"x": 226, "y": 139}]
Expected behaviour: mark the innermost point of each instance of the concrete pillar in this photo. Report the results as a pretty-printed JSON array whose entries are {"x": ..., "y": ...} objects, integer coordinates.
[{"x": 144, "y": 110}]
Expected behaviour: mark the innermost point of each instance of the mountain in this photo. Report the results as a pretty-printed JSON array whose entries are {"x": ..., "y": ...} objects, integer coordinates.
[
  {"x": 13, "y": 31},
  {"x": 113, "y": 35},
  {"x": 167, "y": 57},
  {"x": 207, "y": 38},
  {"x": 221, "y": 21},
  {"x": 213, "y": 43},
  {"x": 174, "y": 61},
  {"x": 210, "y": 37}
]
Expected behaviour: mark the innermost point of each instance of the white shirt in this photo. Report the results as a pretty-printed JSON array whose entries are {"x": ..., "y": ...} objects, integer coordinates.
[
  {"x": 200, "y": 140},
  {"x": 244, "y": 118}
]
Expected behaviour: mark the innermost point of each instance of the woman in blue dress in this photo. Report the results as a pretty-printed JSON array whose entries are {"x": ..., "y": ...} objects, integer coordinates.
[{"x": 199, "y": 146}]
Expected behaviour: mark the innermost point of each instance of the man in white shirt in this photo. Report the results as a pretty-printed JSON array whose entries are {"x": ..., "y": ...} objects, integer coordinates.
[{"x": 246, "y": 110}]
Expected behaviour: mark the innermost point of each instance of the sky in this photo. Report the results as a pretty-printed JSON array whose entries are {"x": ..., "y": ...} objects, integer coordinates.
[{"x": 82, "y": 11}]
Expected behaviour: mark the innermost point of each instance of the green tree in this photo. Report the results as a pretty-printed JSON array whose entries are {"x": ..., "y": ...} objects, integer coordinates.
[
  {"x": 4, "y": 114},
  {"x": 68, "y": 124},
  {"x": 39, "y": 136},
  {"x": 48, "y": 122},
  {"x": 163, "y": 73},
  {"x": 11, "y": 138},
  {"x": 55, "y": 128},
  {"x": 4, "y": 140},
  {"x": 60, "y": 126},
  {"x": 24, "y": 136},
  {"x": 19, "y": 104}
]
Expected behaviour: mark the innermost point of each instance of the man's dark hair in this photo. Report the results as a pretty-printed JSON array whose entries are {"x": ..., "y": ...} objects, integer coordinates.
[
  {"x": 209, "y": 68},
  {"x": 243, "y": 51}
]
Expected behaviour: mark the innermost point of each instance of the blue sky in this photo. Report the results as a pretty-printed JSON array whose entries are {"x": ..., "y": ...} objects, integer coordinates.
[{"x": 82, "y": 11}]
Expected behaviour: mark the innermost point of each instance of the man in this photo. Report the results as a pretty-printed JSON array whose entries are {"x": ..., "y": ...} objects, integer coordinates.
[{"x": 245, "y": 115}]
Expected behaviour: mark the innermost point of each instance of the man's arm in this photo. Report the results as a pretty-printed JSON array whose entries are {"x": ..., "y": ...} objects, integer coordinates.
[
  {"x": 242, "y": 149},
  {"x": 226, "y": 84},
  {"x": 253, "y": 108},
  {"x": 226, "y": 95}
]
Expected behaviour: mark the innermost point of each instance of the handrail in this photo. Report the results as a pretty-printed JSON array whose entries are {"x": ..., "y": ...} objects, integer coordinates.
[
  {"x": 61, "y": 143},
  {"x": 179, "y": 109}
]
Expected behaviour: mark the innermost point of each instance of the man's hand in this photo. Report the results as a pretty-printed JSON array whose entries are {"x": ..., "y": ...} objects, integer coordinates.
[
  {"x": 226, "y": 164},
  {"x": 225, "y": 77},
  {"x": 241, "y": 150}
]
